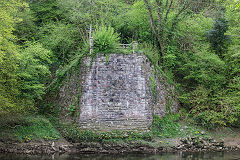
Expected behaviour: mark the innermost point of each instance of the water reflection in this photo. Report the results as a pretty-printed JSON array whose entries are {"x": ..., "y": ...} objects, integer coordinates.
[{"x": 165, "y": 156}]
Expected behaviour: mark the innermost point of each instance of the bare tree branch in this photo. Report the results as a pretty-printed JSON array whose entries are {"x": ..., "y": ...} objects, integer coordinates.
[
  {"x": 159, "y": 4},
  {"x": 153, "y": 27},
  {"x": 176, "y": 20},
  {"x": 81, "y": 33},
  {"x": 169, "y": 8},
  {"x": 164, "y": 38}
]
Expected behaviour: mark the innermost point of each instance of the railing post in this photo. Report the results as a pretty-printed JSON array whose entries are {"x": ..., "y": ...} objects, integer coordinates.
[
  {"x": 134, "y": 46},
  {"x": 90, "y": 40},
  {"x": 91, "y": 45}
]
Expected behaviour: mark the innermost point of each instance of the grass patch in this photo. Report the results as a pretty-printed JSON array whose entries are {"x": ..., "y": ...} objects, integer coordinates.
[
  {"x": 28, "y": 128},
  {"x": 74, "y": 134},
  {"x": 170, "y": 126},
  {"x": 36, "y": 128},
  {"x": 166, "y": 127}
]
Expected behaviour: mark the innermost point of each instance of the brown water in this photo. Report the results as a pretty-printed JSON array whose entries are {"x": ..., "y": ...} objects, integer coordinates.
[{"x": 165, "y": 156}]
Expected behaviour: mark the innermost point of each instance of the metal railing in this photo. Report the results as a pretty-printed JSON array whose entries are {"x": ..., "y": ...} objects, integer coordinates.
[
  {"x": 124, "y": 46},
  {"x": 127, "y": 46}
]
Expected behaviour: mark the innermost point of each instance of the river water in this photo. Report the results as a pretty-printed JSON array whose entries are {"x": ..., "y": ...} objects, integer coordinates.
[{"x": 164, "y": 156}]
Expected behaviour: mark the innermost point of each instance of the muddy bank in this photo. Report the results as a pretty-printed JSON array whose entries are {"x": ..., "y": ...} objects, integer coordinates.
[{"x": 193, "y": 144}]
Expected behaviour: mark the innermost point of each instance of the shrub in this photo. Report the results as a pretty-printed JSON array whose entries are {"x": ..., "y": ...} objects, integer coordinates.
[
  {"x": 166, "y": 126},
  {"x": 36, "y": 128},
  {"x": 221, "y": 108},
  {"x": 33, "y": 70},
  {"x": 105, "y": 40},
  {"x": 151, "y": 52},
  {"x": 74, "y": 134},
  {"x": 217, "y": 37}
]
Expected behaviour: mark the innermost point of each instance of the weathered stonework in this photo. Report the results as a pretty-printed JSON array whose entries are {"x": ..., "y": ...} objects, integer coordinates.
[{"x": 116, "y": 94}]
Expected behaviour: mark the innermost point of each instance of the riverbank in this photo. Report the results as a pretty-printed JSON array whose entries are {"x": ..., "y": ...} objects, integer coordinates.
[
  {"x": 190, "y": 144},
  {"x": 37, "y": 135}
]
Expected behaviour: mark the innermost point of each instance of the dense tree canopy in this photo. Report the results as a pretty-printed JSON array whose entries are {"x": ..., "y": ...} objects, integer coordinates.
[
  {"x": 195, "y": 43},
  {"x": 8, "y": 53}
]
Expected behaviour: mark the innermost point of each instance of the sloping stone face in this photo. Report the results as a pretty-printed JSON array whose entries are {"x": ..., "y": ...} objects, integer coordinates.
[{"x": 117, "y": 94}]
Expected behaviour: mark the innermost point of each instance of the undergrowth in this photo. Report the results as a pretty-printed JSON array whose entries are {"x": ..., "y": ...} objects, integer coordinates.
[
  {"x": 75, "y": 134},
  {"x": 170, "y": 126},
  {"x": 166, "y": 126},
  {"x": 28, "y": 128}
]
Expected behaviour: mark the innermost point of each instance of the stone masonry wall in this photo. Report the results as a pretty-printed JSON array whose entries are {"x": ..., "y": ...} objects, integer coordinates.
[{"x": 117, "y": 94}]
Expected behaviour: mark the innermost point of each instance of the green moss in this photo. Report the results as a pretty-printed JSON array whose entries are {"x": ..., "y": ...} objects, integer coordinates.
[
  {"x": 169, "y": 104},
  {"x": 75, "y": 134},
  {"x": 107, "y": 58},
  {"x": 153, "y": 88},
  {"x": 61, "y": 73}
]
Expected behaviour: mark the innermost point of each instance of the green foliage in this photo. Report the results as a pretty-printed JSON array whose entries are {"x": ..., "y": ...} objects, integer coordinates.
[
  {"x": 229, "y": 101},
  {"x": 71, "y": 109},
  {"x": 26, "y": 29},
  {"x": 214, "y": 101},
  {"x": 35, "y": 128},
  {"x": 153, "y": 87},
  {"x": 217, "y": 37},
  {"x": 201, "y": 111},
  {"x": 84, "y": 13},
  {"x": 166, "y": 126},
  {"x": 9, "y": 55},
  {"x": 25, "y": 127},
  {"x": 46, "y": 10},
  {"x": 62, "y": 72},
  {"x": 105, "y": 40},
  {"x": 33, "y": 70},
  {"x": 206, "y": 69},
  {"x": 209, "y": 110},
  {"x": 62, "y": 39},
  {"x": 136, "y": 19},
  {"x": 201, "y": 73},
  {"x": 150, "y": 51},
  {"x": 48, "y": 106},
  {"x": 233, "y": 55},
  {"x": 75, "y": 134},
  {"x": 107, "y": 58},
  {"x": 194, "y": 63},
  {"x": 170, "y": 57},
  {"x": 193, "y": 50}
]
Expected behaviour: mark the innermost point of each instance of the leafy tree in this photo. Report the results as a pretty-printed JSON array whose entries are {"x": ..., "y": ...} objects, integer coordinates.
[
  {"x": 33, "y": 71},
  {"x": 233, "y": 55},
  {"x": 95, "y": 12},
  {"x": 26, "y": 29},
  {"x": 230, "y": 96},
  {"x": 164, "y": 21},
  {"x": 46, "y": 11},
  {"x": 217, "y": 38},
  {"x": 9, "y": 10},
  {"x": 136, "y": 19},
  {"x": 63, "y": 39}
]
